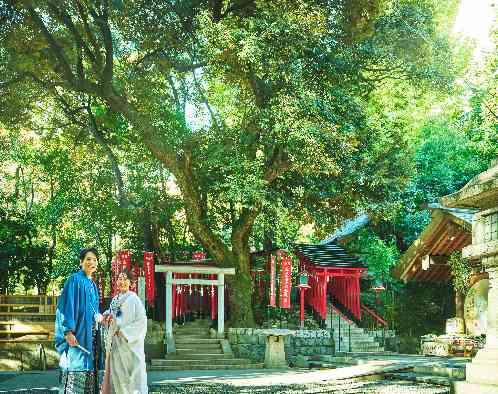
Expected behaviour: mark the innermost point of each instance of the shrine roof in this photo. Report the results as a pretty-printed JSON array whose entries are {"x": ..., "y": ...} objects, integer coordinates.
[
  {"x": 347, "y": 228},
  {"x": 328, "y": 255},
  {"x": 449, "y": 230},
  {"x": 480, "y": 192}
]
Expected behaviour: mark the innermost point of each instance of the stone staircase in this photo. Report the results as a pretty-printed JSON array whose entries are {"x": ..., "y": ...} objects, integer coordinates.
[
  {"x": 348, "y": 332},
  {"x": 196, "y": 350}
]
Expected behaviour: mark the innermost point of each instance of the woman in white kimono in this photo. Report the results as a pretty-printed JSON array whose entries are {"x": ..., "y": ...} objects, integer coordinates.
[{"x": 127, "y": 325}]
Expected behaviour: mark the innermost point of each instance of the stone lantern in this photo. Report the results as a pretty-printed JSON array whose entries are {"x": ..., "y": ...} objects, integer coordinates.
[{"x": 482, "y": 193}]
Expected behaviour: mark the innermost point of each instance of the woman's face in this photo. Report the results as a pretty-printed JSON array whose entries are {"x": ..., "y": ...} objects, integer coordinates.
[
  {"x": 123, "y": 283},
  {"x": 89, "y": 263}
]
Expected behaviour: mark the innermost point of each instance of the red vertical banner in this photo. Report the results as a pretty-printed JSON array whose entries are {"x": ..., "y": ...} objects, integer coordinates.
[
  {"x": 149, "y": 277},
  {"x": 273, "y": 292},
  {"x": 124, "y": 259},
  {"x": 285, "y": 281}
]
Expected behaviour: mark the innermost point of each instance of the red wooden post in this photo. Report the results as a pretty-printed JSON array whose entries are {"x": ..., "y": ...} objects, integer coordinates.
[
  {"x": 213, "y": 300},
  {"x": 173, "y": 302},
  {"x": 302, "y": 290}
]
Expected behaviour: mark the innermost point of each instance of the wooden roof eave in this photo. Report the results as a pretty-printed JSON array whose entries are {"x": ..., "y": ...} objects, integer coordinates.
[
  {"x": 430, "y": 241},
  {"x": 462, "y": 223},
  {"x": 418, "y": 248}
]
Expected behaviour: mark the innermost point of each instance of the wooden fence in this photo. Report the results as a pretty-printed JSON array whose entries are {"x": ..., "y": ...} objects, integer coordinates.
[{"x": 25, "y": 317}]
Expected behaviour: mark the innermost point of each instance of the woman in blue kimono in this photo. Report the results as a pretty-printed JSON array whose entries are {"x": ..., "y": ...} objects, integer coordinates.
[{"x": 76, "y": 321}]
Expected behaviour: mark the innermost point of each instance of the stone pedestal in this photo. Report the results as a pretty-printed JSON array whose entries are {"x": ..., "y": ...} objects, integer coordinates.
[
  {"x": 455, "y": 325},
  {"x": 482, "y": 192},
  {"x": 275, "y": 351},
  {"x": 482, "y": 373}
]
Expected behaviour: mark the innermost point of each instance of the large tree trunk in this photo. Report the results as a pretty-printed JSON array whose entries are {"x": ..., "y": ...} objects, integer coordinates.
[
  {"x": 459, "y": 304},
  {"x": 240, "y": 292}
]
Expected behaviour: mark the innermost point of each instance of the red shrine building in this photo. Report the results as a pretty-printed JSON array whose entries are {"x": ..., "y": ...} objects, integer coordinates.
[{"x": 333, "y": 275}]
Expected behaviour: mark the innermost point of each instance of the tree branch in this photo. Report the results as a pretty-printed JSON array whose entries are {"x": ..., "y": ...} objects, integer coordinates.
[
  {"x": 103, "y": 23},
  {"x": 279, "y": 164},
  {"x": 193, "y": 204},
  {"x": 53, "y": 44},
  {"x": 99, "y": 137},
  {"x": 65, "y": 18},
  {"x": 160, "y": 54},
  {"x": 242, "y": 228},
  {"x": 236, "y": 6},
  {"x": 489, "y": 109},
  {"x": 205, "y": 102},
  {"x": 89, "y": 33}
]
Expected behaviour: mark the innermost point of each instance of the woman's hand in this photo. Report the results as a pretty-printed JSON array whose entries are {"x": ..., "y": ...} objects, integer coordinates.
[
  {"x": 107, "y": 320},
  {"x": 71, "y": 339},
  {"x": 120, "y": 335}
]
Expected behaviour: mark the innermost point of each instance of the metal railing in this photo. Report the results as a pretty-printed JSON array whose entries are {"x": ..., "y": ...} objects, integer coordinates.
[
  {"x": 374, "y": 324},
  {"x": 343, "y": 323}
]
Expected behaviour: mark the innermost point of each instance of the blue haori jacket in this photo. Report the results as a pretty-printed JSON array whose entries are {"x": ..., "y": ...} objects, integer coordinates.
[{"x": 76, "y": 311}]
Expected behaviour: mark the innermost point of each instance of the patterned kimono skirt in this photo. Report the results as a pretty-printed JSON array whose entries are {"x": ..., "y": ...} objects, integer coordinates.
[{"x": 82, "y": 382}]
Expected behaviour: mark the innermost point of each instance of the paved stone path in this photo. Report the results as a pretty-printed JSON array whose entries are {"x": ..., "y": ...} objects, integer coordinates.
[
  {"x": 230, "y": 381},
  {"x": 363, "y": 378}
]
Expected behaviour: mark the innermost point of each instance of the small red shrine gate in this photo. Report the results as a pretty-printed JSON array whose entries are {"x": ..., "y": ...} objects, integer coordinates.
[{"x": 331, "y": 271}]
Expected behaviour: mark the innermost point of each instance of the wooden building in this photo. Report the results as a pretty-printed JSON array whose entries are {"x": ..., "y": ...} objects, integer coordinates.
[{"x": 426, "y": 260}]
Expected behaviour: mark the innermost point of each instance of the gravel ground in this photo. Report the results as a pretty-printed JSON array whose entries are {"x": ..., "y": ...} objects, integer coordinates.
[{"x": 343, "y": 387}]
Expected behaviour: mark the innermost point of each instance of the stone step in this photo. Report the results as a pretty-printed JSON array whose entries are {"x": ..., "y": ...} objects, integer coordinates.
[
  {"x": 194, "y": 340},
  {"x": 197, "y": 322},
  {"x": 365, "y": 350},
  {"x": 356, "y": 346},
  {"x": 197, "y": 356},
  {"x": 200, "y": 362},
  {"x": 455, "y": 372},
  {"x": 346, "y": 331},
  {"x": 191, "y": 331},
  {"x": 345, "y": 353},
  {"x": 198, "y": 346},
  {"x": 337, "y": 359},
  {"x": 192, "y": 327},
  {"x": 191, "y": 337},
  {"x": 192, "y": 334},
  {"x": 364, "y": 346},
  {"x": 320, "y": 364},
  {"x": 206, "y": 367},
  {"x": 196, "y": 352},
  {"x": 421, "y": 378},
  {"x": 358, "y": 339}
]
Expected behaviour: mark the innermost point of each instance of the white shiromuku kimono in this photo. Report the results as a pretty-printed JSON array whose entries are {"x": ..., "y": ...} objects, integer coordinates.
[{"x": 125, "y": 362}]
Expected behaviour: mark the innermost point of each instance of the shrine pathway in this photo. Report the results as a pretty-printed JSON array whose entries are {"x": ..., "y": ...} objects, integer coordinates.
[{"x": 363, "y": 378}]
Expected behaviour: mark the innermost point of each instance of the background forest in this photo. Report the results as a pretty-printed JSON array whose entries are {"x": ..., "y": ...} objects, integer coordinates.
[{"x": 232, "y": 126}]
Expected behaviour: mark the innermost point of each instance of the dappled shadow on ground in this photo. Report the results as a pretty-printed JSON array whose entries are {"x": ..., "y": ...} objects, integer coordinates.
[{"x": 346, "y": 387}]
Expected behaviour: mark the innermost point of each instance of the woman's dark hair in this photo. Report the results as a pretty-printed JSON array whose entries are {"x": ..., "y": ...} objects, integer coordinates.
[
  {"x": 83, "y": 253},
  {"x": 129, "y": 274}
]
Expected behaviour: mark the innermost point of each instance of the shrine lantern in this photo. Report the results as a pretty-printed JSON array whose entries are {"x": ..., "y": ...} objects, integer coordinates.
[
  {"x": 377, "y": 288},
  {"x": 303, "y": 279},
  {"x": 302, "y": 286}
]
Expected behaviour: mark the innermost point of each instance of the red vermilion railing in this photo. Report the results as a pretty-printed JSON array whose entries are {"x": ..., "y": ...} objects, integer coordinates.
[{"x": 374, "y": 317}]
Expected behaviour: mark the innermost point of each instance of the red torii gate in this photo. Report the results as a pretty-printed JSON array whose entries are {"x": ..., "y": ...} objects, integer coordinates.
[
  {"x": 342, "y": 283},
  {"x": 331, "y": 271}
]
